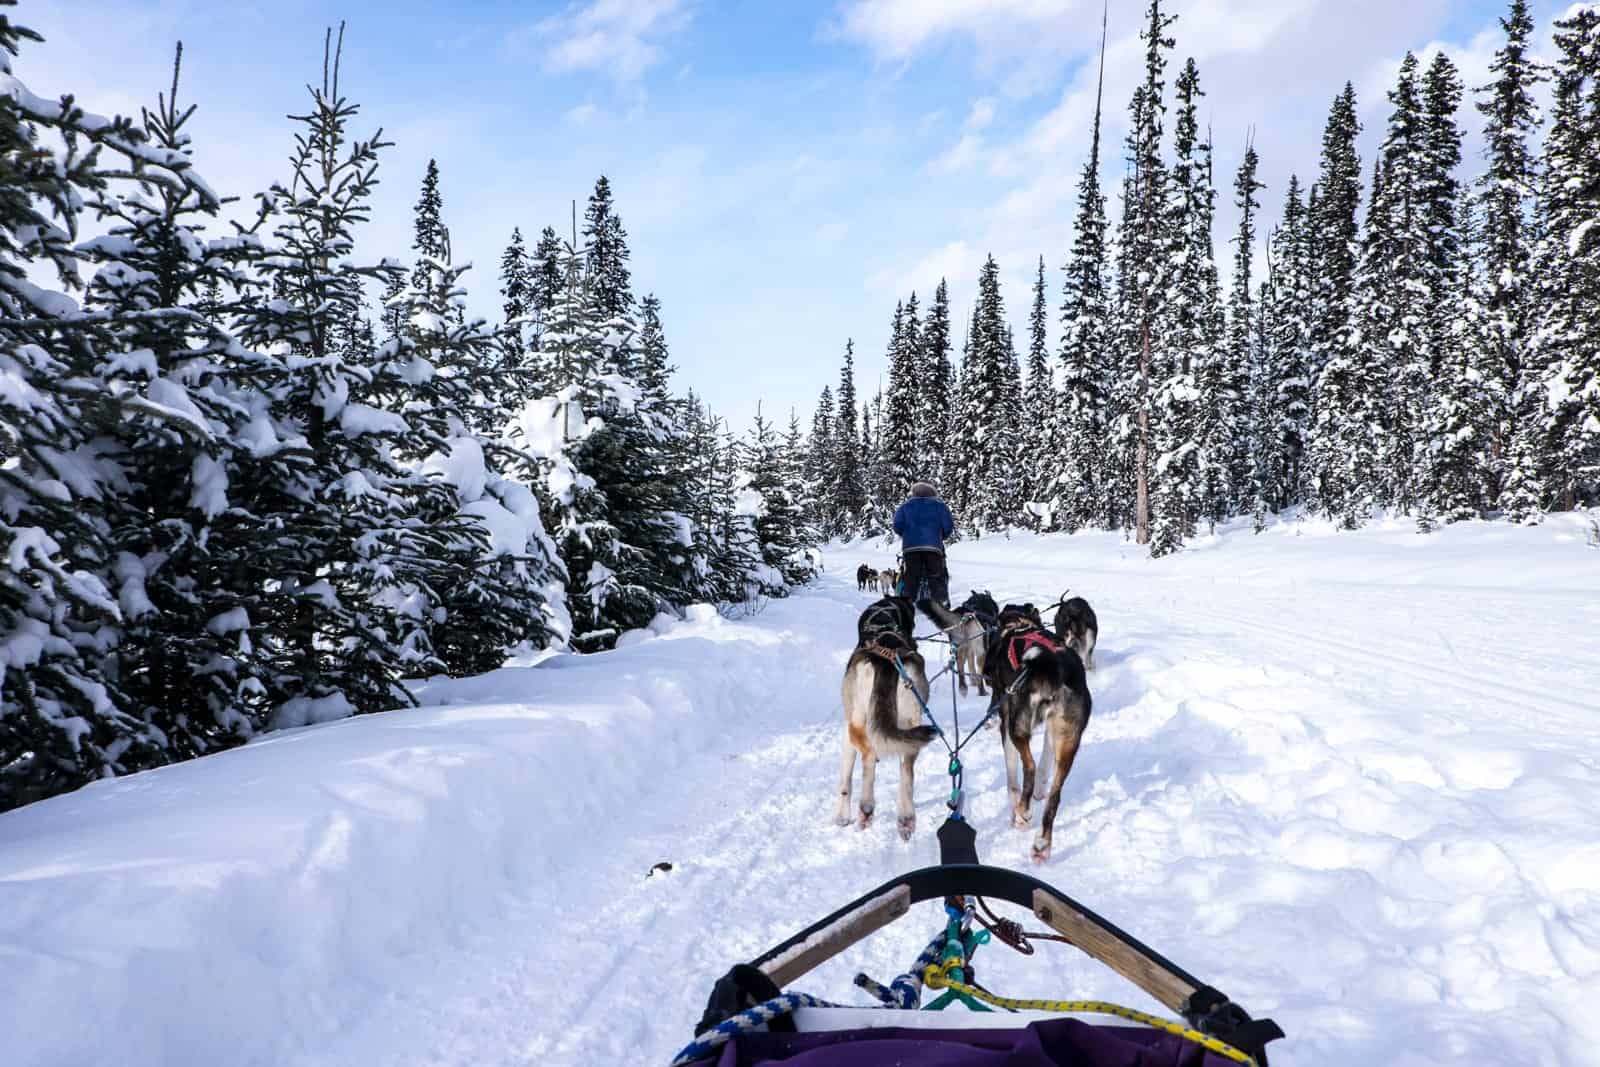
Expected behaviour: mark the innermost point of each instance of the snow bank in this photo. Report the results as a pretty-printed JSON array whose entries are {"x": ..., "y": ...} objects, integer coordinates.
[{"x": 1349, "y": 779}]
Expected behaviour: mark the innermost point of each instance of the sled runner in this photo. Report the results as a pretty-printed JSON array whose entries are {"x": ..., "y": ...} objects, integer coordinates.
[{"x": 750, "y": 1021}]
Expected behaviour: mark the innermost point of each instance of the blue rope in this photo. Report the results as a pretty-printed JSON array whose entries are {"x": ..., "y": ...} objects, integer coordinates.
[
  {"x": 905, "y": 992},
  {"x": 745, "y": 1022}
]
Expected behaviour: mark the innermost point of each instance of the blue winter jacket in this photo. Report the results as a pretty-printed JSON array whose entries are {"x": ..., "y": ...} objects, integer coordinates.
[{"x": 923, "y": 522}]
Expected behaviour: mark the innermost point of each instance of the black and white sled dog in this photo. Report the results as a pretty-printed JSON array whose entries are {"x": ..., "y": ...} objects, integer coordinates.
[
  {"x": 866, "y": 578},
  {"x": 1077, "y": 626},
  {"x": 882, "y": 714},
  {"x": 1037, "y": 682}
]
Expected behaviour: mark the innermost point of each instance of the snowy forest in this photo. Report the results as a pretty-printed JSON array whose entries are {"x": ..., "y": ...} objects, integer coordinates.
[
  {"x": 254, "y": 475},
  {"x": 1421, "y": 344}
]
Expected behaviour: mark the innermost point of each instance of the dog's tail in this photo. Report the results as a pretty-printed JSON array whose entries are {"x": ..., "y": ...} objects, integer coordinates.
[{"x": 888, "y": 736}]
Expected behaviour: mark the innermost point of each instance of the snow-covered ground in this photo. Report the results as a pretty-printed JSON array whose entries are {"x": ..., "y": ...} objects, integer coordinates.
[{"x": 1350, "y": 779}]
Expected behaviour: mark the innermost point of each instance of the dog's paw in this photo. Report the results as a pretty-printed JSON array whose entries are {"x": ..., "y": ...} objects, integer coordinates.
[
  {"x": 842, "y": 819},
  {"x": 1020, "y": 819},
  {"x": 907, "y": 825},
  {"x": 865, "y": 819},
  {"x": 1041, "y": 851}
]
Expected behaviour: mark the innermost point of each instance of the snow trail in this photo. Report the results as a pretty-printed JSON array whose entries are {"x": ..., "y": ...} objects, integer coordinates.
[{"x": 1348, "y": 779}]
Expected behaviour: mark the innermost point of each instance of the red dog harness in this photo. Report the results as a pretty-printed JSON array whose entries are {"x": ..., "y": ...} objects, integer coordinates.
[{"x": 1018, "y": 646}]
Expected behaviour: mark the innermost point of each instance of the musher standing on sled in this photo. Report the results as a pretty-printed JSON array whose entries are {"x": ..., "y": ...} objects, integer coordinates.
[{"x": 923, "y": 522}]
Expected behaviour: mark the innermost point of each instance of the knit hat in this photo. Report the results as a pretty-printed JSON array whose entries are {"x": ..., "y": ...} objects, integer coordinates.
[{"x": 924, "y": 489}]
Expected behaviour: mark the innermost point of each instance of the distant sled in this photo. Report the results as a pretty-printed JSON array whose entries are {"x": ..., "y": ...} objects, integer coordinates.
[{"x": 750, "y": 1020}]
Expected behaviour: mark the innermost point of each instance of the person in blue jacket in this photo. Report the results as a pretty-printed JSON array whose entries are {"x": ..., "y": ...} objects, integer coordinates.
[{"x": 923, "y": 523}]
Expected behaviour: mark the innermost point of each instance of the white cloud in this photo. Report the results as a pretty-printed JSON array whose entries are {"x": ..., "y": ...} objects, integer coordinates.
[
  {"x": 582, "y": 113},
  {"x": 619, "y": 38}
]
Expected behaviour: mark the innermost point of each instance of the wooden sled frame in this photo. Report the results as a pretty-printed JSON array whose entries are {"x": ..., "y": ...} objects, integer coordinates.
[{"x": 1200, "y": 1005}]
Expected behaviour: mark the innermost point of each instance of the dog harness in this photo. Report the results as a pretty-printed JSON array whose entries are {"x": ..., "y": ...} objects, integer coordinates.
[{"x": 1018, "y": 644}]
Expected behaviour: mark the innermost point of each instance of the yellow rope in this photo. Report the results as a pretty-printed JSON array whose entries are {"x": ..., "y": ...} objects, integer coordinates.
[{"x": 935, "y": 979}]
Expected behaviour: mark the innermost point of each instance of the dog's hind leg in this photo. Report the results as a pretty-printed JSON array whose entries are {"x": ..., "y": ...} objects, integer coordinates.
[
  {"x": 1041, "y": 778},
  {"x": 869, "y": 782},
  {"x": 1064, "y": 740},
  {"x": 1013, "y": 765},
  {"x": 847, "y": 768},
  {"x": 1020, "y": 815},
  {"x": 906, "y": 809}
]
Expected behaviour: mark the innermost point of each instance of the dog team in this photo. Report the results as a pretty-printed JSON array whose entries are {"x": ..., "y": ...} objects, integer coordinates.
[{"x": 1034, "y": 673}]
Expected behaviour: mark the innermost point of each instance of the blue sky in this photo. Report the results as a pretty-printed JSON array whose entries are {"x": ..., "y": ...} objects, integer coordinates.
[{"x": 786, "y": 171}]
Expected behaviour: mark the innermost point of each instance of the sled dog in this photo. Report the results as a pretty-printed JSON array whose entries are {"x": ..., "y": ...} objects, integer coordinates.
[
  {"x": 1037, "y": 682},
  {"x": 881, "y": 718},
  {"x": 888, "y": 615},
  {"x": 977, "y": 613},
  {"x": 866, "y": 578},
  {"x": 1078, "y": 628},
  {"x": 889, "y": 580}
]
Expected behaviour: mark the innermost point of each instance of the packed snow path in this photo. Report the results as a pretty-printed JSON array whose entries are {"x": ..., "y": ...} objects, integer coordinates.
[{"x": 1350, "y": 779}]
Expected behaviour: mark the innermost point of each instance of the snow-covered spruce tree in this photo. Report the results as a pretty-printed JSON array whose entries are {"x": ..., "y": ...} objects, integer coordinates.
[
  {"x": 1261, "y": 397},
  {"x": 779, "y": 526},
  {"x": 1039, "y": 403},
  {"x": 193, "y": 414},
  {"x": 911, "y": 341},
  {"x": 792, "y": 467},
  {"x": 1009, "y": 476},
  {"x": 961, "y": 452},
  {"x": 347, "y": 565},
  {"x": 1189, "y": 348},
  {"x": 518, "y": 357},
  {"x": 1353, "y": 387},
  {"x": 1145, "y": 246},
  {"x": 881, "y": 496},
  {"x": 935, "y": 392},
  {"x": 847, "y": 491},
  {"x": 984, "y": 415},
  {"x": 1288, "y": 366},
  {"x": 897, "y": 435},
  {"x": 1407, "y": 283},
  {"x": 547, "y": 278},
  {"x": 606, "y": 256},
  {"x": 1505, "y": 199},
  {"x": 1557, "y": 446},
  {"x": 1461, "y": 414},
  {"x": 63, "y": 719},
  {"x": 1454, "y": 427},
  {"x": 1239, "y": 354},
  {"x": 427, "y": 229},
  {"x": 496, "y": 570},
  {"x": 1082, "y": 483},
  {"x": 1335, "y": 237},
  {"x": 819, "y": 476}
]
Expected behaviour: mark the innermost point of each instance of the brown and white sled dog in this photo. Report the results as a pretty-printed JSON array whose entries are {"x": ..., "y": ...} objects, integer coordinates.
[
  {"x": 1037, "y": 682},
  {"x": 881, "y": 719}
]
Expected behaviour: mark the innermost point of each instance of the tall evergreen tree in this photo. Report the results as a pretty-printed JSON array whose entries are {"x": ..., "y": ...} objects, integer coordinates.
[
  {"x": 819, "y": 473},
  {"x": 1335, "y": 236},
  {"x": 1144, "y": 250},
  {"x": 1189, "y": 350},
  {"x": 348, "y": 566},
  {"x": 516, "y": 290},
  {"x": 1506, "y": 193},
  {"x": 897, "y": 434},
  {"x": 982, "y": 478},
  {"x": 427, "y": 226},
  {"x": 1352, "y": 387},
  {"x": 1557, "y": 441},
  {"x": 847, "y": 495},
  {"x": 936, "y": 392},
  {"x": 606, "y": 253},
  {"x": 1038, "y": 412},
  {"x": 1083, "y": 488},
  {"x": 63, "y": 719},
  {"x": 1288, "y": 359},
  {"x": 1239, "y": 360},
  {"x": 1406, "y": 281}
]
